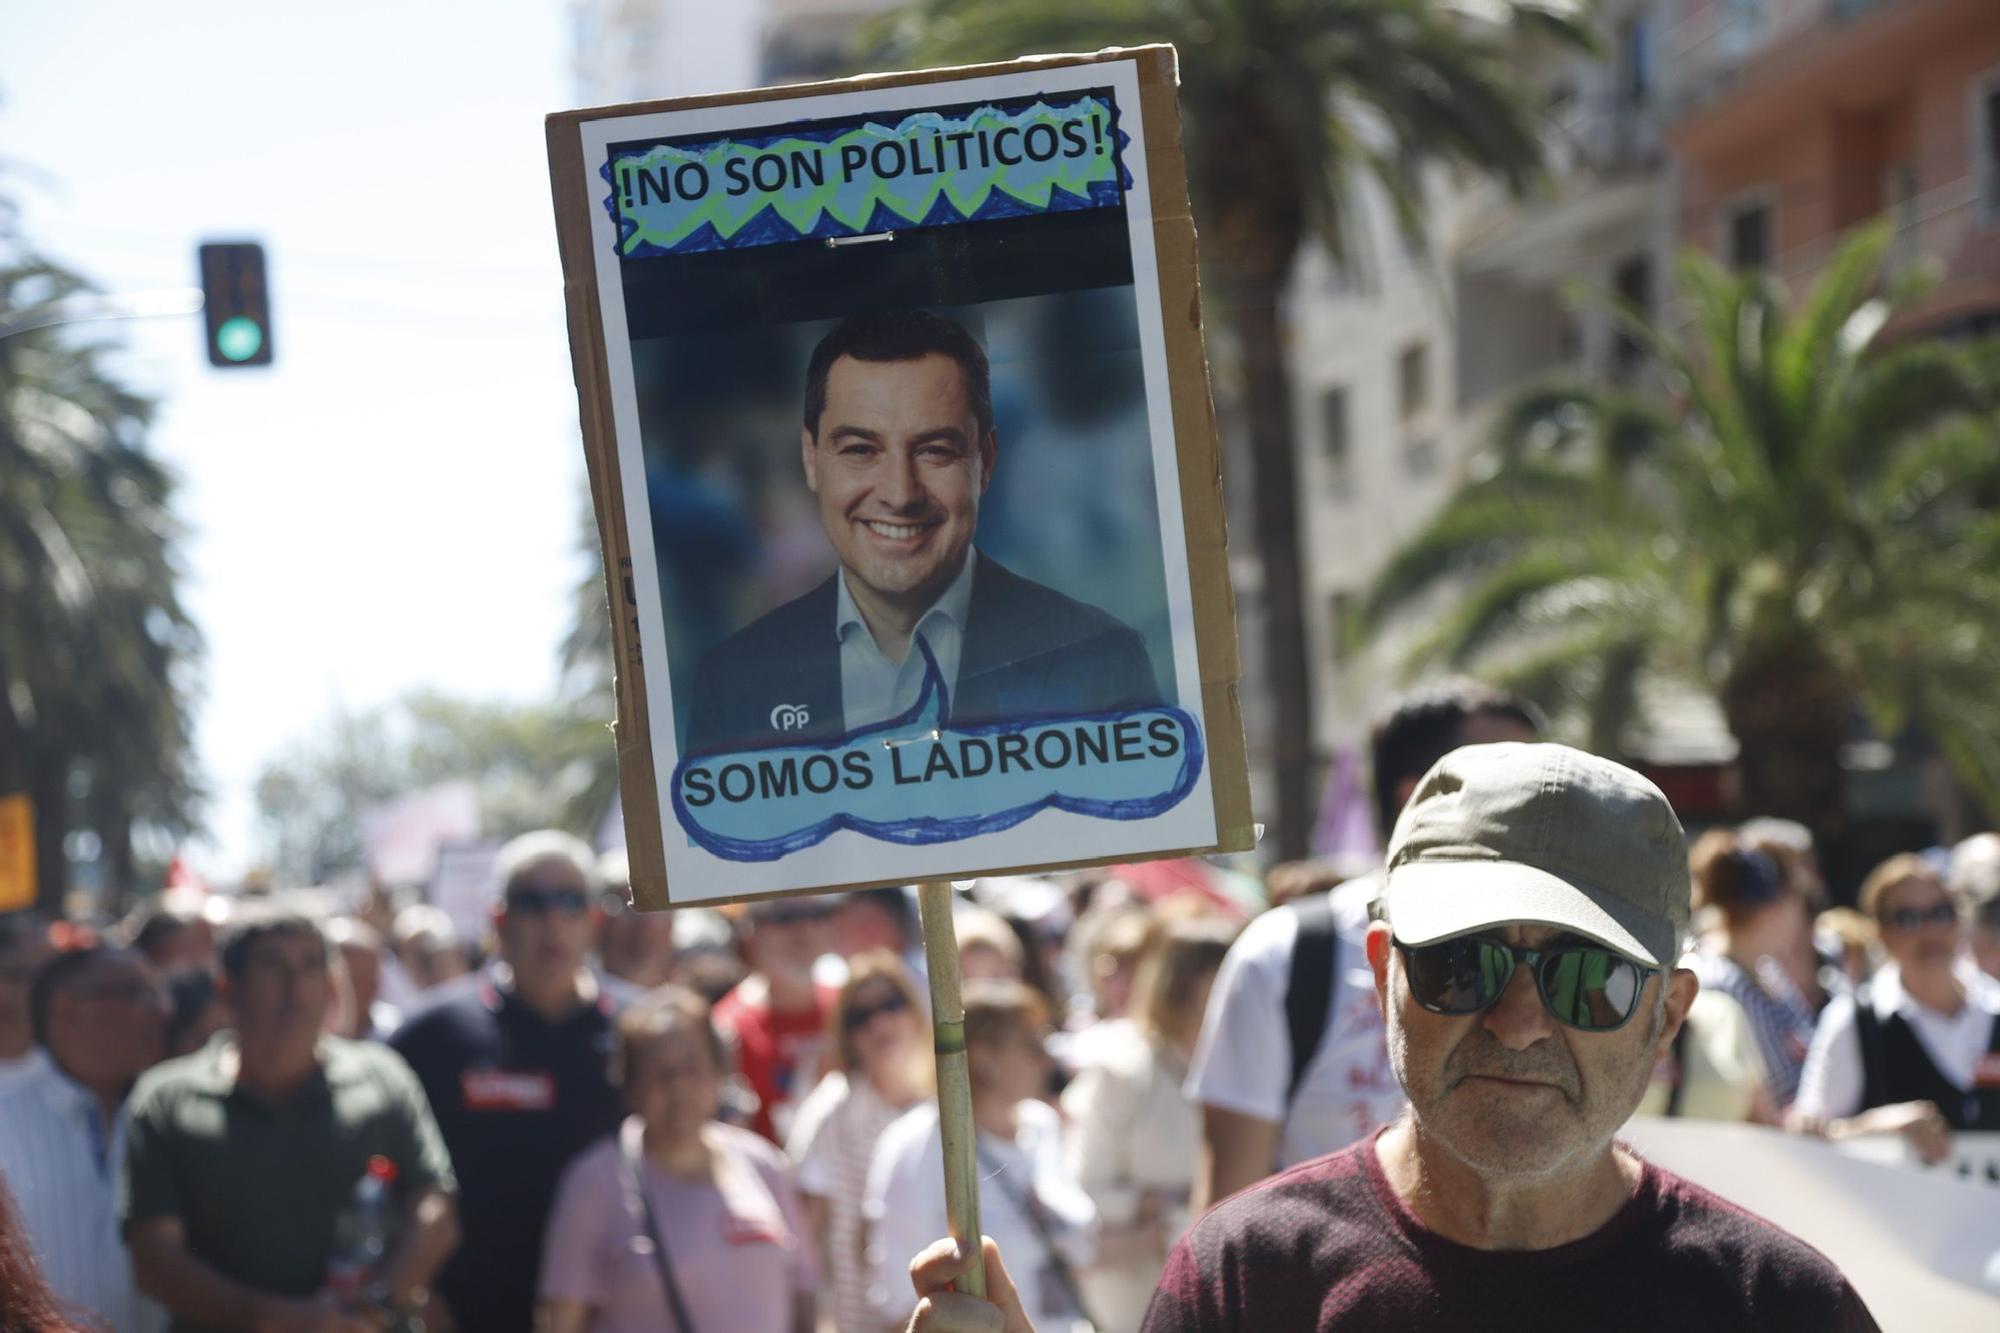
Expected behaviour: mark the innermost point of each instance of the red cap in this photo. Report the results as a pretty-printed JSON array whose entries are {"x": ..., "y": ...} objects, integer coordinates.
[{"x": 382, "y": 1169}]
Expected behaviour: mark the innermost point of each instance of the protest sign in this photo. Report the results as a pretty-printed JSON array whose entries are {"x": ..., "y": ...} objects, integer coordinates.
[
  {"x": 1971, "y": 1156},
  {"x": 401, "y": 838},
  {"x": 899, "y": 435},
  {"x": 462, "y": 884}
]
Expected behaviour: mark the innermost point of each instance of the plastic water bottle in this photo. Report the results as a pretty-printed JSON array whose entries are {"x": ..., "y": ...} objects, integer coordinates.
[{"x": 361, "y": 1233}]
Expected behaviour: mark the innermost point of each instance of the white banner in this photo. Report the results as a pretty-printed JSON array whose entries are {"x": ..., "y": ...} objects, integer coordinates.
[
  {"x": 1974, "y": 1157},
  {"x": 1922, "y": 1247}
]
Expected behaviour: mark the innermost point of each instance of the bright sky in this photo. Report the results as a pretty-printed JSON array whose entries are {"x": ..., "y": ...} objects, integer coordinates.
[{"x": 395, "y": 502}]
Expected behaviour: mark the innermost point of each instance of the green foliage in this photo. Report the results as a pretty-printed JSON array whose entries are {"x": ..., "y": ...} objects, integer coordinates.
[
  {"x": 1806, "y": 516},
  {"x": 97, "y": 656},
  {"x": 1331, "y": 90},
  {"x": 530, "y": 764},
  {"x": 1287, "y": 107}
]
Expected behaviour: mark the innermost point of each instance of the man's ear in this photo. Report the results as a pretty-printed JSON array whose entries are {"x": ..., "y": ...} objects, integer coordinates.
[
  {"x": 806, "y": 457},
  {"x": 1682, "y": 986},
  {"x": 1380, "y": 950},
  {"x": 989, "y": 454}
]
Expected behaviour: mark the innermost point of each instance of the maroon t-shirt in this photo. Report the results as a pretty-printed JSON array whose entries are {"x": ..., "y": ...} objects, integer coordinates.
[{"x": 1328, "y": 1245}]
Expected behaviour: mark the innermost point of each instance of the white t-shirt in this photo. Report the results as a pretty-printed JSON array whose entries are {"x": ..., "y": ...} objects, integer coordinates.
[
  {"x": 1831, "y": 1084},
  {"x": 832, "y": 1141},
  {"x": 1130, "y": 1133},
  {"x": 905, "y": 1210},
  {"x": 1244, "y": 1059}
]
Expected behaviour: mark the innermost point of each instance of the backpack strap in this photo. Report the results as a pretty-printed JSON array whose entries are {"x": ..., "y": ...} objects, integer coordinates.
[{"x": 1309, "y": 988}]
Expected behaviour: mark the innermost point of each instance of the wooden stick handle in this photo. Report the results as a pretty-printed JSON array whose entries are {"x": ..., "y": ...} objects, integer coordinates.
[{"x": 954, "y": 1079}]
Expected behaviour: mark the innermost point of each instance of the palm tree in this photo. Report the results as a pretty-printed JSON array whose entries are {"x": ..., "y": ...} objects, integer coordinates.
[
  {"x": 1287, "y": 104},
  {"x": 96, "y": 653},
  {"x": 1809, "y": 524}
]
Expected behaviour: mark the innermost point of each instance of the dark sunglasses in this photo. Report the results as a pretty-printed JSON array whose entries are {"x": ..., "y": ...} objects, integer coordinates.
[
  {"x": 860, "y": 1016},
  {"x": 1915, "y": 918},
  {"x": 1581, "y": 985},
  {"x": 535, "y": 901}
]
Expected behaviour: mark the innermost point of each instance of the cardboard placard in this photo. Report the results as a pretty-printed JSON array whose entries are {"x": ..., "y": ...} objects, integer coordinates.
[{"x": 899, "y": 434}]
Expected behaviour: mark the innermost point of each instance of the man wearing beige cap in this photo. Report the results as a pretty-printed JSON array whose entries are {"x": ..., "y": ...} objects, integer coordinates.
[{"x": 1535, "y": 905}]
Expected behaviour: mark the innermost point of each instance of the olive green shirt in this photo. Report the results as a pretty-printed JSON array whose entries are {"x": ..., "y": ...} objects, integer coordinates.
[{"x": 257, "y": 1186}]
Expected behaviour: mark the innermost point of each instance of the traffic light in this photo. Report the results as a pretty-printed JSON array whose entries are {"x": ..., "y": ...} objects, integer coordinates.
[{"x": 236, "y": 304}]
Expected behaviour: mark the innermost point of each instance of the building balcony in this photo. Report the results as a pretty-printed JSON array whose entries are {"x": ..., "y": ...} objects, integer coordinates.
[{"x": 1737, "y": 62}]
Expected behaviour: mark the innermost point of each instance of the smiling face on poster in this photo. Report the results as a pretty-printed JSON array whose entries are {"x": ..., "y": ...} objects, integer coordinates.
[{"x": 889, "y": 443}]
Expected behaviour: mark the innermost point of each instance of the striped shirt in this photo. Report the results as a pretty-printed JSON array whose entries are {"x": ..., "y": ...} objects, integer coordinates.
[
  {"x": 1779, "y": 1016},
  {"x": 832, "y": 1140},
  {"x": 61, "y": 1163}
]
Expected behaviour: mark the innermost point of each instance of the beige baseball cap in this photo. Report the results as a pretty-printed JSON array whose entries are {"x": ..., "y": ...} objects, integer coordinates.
[{"x": 1546, "y": 834}]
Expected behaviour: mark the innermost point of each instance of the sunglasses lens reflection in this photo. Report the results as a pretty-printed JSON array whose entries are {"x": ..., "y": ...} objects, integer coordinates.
[{"x": 1591, "y": 989}]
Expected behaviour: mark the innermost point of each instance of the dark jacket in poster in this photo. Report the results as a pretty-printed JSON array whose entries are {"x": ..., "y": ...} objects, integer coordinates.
[{"x": 1029, "y": 652}]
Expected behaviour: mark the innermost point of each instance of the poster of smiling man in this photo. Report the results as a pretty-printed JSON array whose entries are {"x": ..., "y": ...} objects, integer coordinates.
[{"x": 902, "y": 453}]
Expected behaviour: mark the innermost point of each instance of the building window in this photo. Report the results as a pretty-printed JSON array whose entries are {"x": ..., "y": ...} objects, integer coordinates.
[
  {"x": 1633, "y": 281},
  {"x": 1986, "y": 144},
  {"x": 1413, "y": 382},
  {"x": 1635, "y": 62},
  {"x": 1747, "y": 236},
  {"x": 1335, "y": 441},
  {"x": 1413, "y": 402}
]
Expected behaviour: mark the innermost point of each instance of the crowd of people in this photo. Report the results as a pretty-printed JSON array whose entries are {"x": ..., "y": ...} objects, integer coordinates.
[{"x": 242, "y": 1114}]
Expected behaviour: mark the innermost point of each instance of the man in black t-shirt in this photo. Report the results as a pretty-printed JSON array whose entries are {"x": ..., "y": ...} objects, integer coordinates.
[
  {"x": 1536, "y": 899},
  {"x": 516, "y": 1067}
]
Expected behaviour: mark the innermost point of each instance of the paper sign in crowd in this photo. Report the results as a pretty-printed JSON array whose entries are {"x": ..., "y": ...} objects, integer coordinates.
[{"x": 900, "y": 439}]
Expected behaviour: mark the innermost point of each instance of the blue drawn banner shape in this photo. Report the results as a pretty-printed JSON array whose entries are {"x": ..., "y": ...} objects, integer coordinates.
[
  {"x": 862, "y": 175},
  {"x": 765, "y": 803}
]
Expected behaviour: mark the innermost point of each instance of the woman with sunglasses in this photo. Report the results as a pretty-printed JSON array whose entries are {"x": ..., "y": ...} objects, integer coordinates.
[
  {"x": 676, "y": 1221},
  {"x": 1917, "y": 1050},
  {"x": 876, "y": 1032},
  {"x": 1028, "y": 1201}
]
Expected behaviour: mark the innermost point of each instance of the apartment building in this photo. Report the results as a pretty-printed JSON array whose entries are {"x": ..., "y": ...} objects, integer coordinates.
[
  {"x": 1798, "y": 120},
  {"x": 1399, "y": 380}
]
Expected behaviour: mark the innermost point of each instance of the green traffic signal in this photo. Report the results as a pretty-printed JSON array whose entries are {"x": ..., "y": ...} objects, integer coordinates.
[
  {"x": 236, "y": 304},
  {"x": 239, "y": 338}
]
